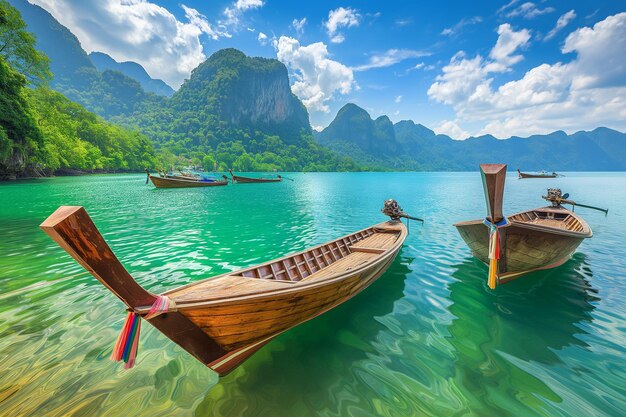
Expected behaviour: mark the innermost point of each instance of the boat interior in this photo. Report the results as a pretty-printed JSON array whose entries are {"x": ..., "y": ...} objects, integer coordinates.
[
  {"x": 318, "y": 263},
  {"x": 561, "y": 219}
]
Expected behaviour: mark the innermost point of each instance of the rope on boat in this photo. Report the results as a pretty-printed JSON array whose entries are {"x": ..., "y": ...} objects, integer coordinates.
[
  {"x": 127, "y": 343},
  {"x": 494, "y": 250}
]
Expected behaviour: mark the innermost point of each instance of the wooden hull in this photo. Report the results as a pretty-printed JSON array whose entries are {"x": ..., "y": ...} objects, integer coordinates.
[
  {"x": 526, "y": 245},
  {"x": 245, "y": 180},
  {"x": 523, "y": 175},
  {"x": 223, "y": 320},
  {"x": 166, "y": 182}
]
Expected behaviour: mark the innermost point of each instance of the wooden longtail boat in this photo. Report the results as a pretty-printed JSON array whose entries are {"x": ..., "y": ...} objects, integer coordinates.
[
  {"x": 180, "y": 182},
  {"x": 240, "y": 179},
  {"x": 531, "y": 240},
  {"x": 221, "y": 321},
  {"x": 523, "y": 175}
]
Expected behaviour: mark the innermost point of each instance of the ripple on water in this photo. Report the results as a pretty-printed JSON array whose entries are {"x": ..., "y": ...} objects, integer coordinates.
[{"x": 428, "y": 338}]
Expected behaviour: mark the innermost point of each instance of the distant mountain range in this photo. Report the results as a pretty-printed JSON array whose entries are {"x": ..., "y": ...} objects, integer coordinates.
[
  {"x": 233, "y": 104},
  {"x": 406, "y": 145},
  {"x": 133, "y": 70}
]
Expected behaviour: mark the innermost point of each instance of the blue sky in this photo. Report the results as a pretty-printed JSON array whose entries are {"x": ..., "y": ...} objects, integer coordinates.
[{"x": 462, "y": 68}]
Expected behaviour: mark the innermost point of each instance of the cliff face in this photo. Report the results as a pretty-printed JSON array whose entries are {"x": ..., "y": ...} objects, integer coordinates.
[{"x": 245, "y": 92}]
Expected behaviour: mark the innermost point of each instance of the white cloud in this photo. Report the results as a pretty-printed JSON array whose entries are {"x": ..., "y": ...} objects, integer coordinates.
[
  {"x": 244, "y": 5},
  {"x": 233, "y": 13},
  {"x": 584, "y": 93},
  {"x": 317, "y": 128},
  {"x": 317, "y": 78},
  {"x": 528, "y": 10},
  {"x": 140, "y": 31},
  {"x": 560, "y": 24},
  {"x": 466, "y": 21},
  {"x": 452, "y": 129},
  {"x": 298, "y": 25},
  {"x": 403, "y": 22},
  {"x": 262, "y": 38},
  {"x": 466, "y": 79},
  {"x": 390, "y": 57},
  {"x": 508, "y": 42},
  {"x": 398, "y": 99},
  {"x": 341, "y": 18}
]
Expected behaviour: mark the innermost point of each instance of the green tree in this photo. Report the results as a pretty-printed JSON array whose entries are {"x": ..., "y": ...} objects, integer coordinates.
[{"x": 17, "y": 46}]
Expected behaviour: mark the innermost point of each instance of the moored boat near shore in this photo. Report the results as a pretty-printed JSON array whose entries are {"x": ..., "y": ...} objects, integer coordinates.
[
  {"x": 240, "y": 179},
  {"x": 166, "y": 181},
  {"x": 524, "y": 175},
  {"x": 527, "y": 241},
  {"x": 221, "y": 321}
]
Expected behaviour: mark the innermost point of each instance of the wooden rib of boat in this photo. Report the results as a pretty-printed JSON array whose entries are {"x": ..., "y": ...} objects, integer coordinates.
[
  {"x": 179, "y": 182},
  {"x": 522, "y": 175},
  {"x": 530, "y": 240},
  {"x": 240, "y": 179},
  {"x": 222, "y": 321}
]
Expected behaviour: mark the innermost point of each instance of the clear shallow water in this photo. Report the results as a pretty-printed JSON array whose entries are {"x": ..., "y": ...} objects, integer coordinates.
[{"x": 428, "y": 337}]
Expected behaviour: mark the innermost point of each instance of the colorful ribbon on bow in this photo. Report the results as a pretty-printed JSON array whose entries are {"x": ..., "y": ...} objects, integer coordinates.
[
  {"x": 494, "y": 251},
  {"x": 125, "y": 348}
]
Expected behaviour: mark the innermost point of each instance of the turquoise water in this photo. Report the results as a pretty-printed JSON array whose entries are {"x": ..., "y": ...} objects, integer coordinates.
[{"x": 428, "y": 338}]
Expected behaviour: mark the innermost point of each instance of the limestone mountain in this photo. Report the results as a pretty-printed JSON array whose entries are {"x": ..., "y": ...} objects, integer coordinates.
[
  {"x": 133, "y": 70},
  {"x": 247, "y": 92},
  {"x": 414, "y": 146},
  {"x": 108, "y": 93}
]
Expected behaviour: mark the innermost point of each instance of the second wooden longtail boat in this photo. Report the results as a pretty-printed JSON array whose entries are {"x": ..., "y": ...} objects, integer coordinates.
[
  {"x": 524, "y": 175},
  {"x": 531, "y": 240},
  {"x": 240, "y": 179},
  {"x": 221, "y": 321},
  {"x": 181, "y": 182}
]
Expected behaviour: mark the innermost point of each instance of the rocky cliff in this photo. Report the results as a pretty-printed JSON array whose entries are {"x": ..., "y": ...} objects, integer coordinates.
[{"x": 246, "y": 92}]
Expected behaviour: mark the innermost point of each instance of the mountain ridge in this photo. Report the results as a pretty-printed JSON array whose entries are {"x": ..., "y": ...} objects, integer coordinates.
[
  {"x": 418, "y": 147},
  {"x": 133, "y": 70}
]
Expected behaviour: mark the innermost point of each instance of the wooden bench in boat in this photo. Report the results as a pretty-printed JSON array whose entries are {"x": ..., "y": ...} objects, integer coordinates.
[{"x": 316, "y": 264}]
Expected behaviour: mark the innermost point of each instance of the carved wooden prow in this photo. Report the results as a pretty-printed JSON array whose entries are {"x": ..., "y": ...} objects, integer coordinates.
[
  {"x": 493, "y": 176},
  {"x": 72, "y": 228}
]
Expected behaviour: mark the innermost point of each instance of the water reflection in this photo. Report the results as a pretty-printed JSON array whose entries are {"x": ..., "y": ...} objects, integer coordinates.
[
  {"x": 302, "y": 367},
  {"x": 499, "y": 335}
]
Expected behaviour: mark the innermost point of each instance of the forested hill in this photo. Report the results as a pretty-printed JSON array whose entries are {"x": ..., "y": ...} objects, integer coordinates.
[
  {"x": 41, "y": 131},
  {"x": 406, "y": 145},
  {"x": 133, "y": 70},
  {"x": 106, "y": 93},
  {"x": 238, "y": 111}
]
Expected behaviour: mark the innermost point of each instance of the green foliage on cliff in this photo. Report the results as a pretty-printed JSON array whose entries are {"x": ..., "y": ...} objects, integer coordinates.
[
  {"x": 241, "y": 113},
  {"x": 41, "y": 130}
]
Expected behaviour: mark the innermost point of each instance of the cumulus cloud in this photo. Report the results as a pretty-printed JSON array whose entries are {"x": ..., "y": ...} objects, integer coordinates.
[
  {"x": 527, "y": 10},
  {"x": 248, "y": 4},
  {"x": 298, "y": 25},
  {"x": 560, "y": 24},
  {"x": 262, "y": 38},
  {"x": 452, "y": 129},
  {"x": 467, "y": 78},
  {"x": 316, "y": 77},
  {"x": 390, "y": 57},
  {"x": 466, "y": 21},
  {"x": 341, "y": 17},
  {"x": 143, "y": 32},
  {"x": 584, "y": 93},
  {"x": 398, "y": 99}
]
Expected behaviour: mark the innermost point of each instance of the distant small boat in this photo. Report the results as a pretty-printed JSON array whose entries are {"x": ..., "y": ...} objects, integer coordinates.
[
  {"x": 522, "y": 175},
  {"x": 223, "y": 320},
  {"x": 239, "y": 178},
  {"x": 531, "y": 240},
  {"x": 183, "y": 182}
]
